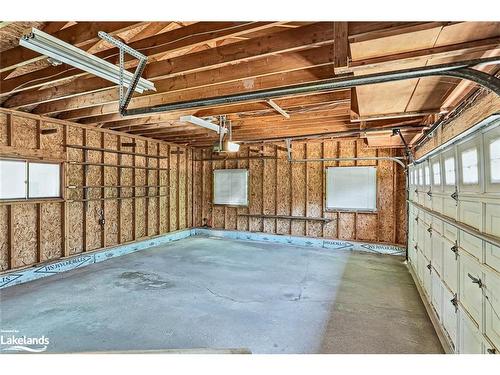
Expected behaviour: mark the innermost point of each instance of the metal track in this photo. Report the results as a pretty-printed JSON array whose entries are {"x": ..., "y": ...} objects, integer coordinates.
[{"x": 455, "y": 69}]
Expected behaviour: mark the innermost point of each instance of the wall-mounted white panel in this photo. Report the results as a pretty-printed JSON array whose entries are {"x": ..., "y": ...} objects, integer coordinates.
[
  {"x": 469, "y": 336},
  {"x": 437, "y": 253},
  {"x": 472, "y": 245},
  {"x": 437, "y": 204},
  {"x": 437, "y": 295},
  {"x": 470, "y": 294},
  {"x": 450, "y": 265},
  {"x": 470, "y": 213},
  {"x": 450, "y": 207},
  {"x": 450, "y": 232},
  {"x": 492, "y": 222},
  {"x": 492, "y": 308},
  {"x": 450, "y": 316},
  {"x": 492, "y": 257}
]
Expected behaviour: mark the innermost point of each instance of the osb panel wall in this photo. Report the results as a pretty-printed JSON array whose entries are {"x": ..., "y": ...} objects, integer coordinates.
[
  {"x": 277, "y": 187},
  {"x": 152, "y": 197},
  {"x": 485, "y": 106}
]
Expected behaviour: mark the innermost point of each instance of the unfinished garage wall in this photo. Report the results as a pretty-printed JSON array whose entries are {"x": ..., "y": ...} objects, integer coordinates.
[
  {"x": 454, "y": 219},
  {"x": 141, "y": 187},
  {"x": 296, "y": 191}
]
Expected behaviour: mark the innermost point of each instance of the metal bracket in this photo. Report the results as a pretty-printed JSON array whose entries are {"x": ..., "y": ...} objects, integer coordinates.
[
  {"x": 454, "y": 302},
  {"x": 123, "y": 48},
  {"x": 288, "y": 144},
  {"x": 491, "y": 351},
  {"x": 454, "y": 248},
  {"x": 429, "y": 267},
  {"x": 429, "y": 230},
  {"x": 455, "y": 196},
  {"x": 476, "y": 280},
  {"x": 429, "y": 193},
  {"x": 416, "y": 219}
]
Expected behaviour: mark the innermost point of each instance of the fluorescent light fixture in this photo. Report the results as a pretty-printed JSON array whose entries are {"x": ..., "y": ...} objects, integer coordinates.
[
  {"x": 203, "y": 123},
  {"x": 56, "y": 49}
]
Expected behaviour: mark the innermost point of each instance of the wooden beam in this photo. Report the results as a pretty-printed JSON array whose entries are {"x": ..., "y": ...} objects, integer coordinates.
[
  {"x": 365, "y": 31},
  {"x": 340, "y": 46},
  {"x": 75, "y": 111},
  {"x": 428, "y": 53},
  {"x": 176, "y": 40},
  {"x": 85, "y": 91}
]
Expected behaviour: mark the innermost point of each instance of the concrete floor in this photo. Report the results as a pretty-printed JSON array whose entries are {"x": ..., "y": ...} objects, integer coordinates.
[{"x": 205, "y": 292}]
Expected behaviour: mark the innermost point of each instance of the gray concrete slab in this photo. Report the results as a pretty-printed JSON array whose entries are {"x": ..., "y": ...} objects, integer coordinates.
[{"x": 205, "y": 292}]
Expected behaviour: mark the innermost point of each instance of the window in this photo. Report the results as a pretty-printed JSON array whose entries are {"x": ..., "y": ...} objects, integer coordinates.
[
  {"x": 412, "y": 177},
  {"x": 20, "y": 179},
  {"x": 44, "y": 180},
  {"x": 351, "y": 188},
  {"x": 12, "y": 179},
  {"x": 230, "y": 187},
  {"x": 416, "y": 176},
  {"x": 436, "y": 174},
  {"x": 420, "y": 176},
  {"x": 449, "y": 171},
  {"x": 427, "y": 175},
  {"x": 495, "y": 161},
  {"x": 469, "y": 167}
]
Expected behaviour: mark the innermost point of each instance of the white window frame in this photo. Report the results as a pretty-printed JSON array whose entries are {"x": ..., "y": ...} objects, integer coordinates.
[
  {"x": 436, "y": 162},
  {"x": 490, "y": 136},
  {"x": 450, "y": 154},
  {"x": 232, "y": 173},
  {"x": 26, "y": 196},
  {"x": 329, "y": 189},
  {"x": 474, "y": 143}
]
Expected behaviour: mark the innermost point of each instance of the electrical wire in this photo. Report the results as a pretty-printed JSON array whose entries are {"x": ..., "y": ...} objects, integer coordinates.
[{"x": 140, "y": 49}]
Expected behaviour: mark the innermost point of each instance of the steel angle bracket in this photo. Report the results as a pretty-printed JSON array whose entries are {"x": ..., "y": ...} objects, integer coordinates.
[{"x": 143, "y": 59}]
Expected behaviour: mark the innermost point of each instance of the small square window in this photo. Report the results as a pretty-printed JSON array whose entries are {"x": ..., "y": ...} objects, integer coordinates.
[
  {"x": 420, "y": 176},
  {"x": 12, "y": 179},
  {"x": 44, "y": 180},
  {"x": 449, "y": 171},
  {"x": 230, "y": 187},
  {"x": 495, "y": 161},
  {"x": 470, "y": 173},
  {"x": 351, "y": 188},
  {"x": 427, "y": 175},
  {"x": 436, "y": 174}
]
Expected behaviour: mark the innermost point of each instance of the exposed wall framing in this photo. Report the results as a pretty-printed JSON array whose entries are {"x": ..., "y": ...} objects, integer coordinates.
[
  {"x": 282, "y": 194},
  {"x": 141, "y": 191}
]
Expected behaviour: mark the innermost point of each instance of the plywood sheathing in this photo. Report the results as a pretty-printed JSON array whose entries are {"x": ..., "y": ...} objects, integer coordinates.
[
  {"x": 277, "y": 187},
  {"x": 487, "y": 105},
  {"x": 38, "y": 231},
  {"x": 416, "y": 94}
]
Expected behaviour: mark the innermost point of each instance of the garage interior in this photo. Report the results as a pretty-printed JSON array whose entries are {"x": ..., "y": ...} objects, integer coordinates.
[{"x": 250, "y": 187}]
